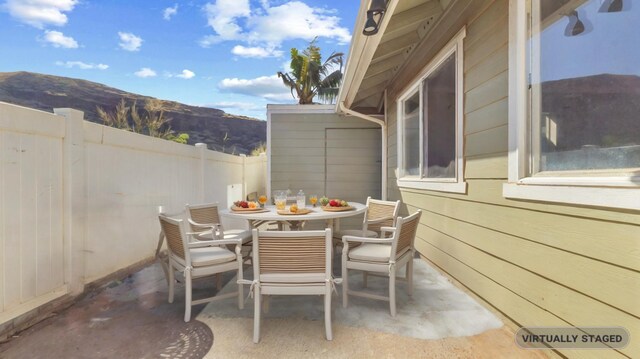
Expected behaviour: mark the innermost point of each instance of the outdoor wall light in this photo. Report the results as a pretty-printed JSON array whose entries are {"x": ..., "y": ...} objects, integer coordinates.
[
  {"x": 575, "y": 25},
  {"x": 374, "y": 17},
  {"x": 611, "y": 6}
]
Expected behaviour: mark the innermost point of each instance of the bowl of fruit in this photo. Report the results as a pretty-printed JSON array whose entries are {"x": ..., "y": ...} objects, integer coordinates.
[
  {"x": 335, "y": 205},
  {"x": 245, "y": 206}
]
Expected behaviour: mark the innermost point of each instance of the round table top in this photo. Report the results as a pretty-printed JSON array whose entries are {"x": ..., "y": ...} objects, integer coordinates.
[{"x": 316, "y": 214}]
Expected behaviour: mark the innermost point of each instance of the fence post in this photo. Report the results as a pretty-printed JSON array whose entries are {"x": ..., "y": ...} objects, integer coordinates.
[
  {"x": 244, "y": 176},
  {"x": 74, "y": 198},
  {"x": 201, "y": 151}
]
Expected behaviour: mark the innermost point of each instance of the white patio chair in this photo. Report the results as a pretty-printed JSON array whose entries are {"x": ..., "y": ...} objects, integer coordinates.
[
  {"x": 378, "y": 214},
  {"x": 292, "y": 263},
  {"x": 204, "y": 219},
  {"x": 198, "y": 259},
  {"x": 381, "y": 256}
]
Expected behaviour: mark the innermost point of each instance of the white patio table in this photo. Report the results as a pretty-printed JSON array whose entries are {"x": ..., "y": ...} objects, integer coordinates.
[{"x": 295, "y": 221}]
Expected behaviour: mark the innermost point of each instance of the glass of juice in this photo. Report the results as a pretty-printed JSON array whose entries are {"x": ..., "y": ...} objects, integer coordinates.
[
  {"x": 313, "y": 199},
  {"x": 262, "y": 200}
]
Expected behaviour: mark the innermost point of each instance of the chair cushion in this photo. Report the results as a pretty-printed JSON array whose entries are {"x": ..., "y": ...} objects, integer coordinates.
[
  {"x": 354, "y": 232},
  {"x": 371, "y": 252},
  {"x": 238, "y": 233},
  {"x": 228, "y": 234},
  {"x": 201, "y": 257}
]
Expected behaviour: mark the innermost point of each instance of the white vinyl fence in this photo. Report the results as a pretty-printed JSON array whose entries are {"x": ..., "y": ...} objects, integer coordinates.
[{"x": 79, "y": 201}]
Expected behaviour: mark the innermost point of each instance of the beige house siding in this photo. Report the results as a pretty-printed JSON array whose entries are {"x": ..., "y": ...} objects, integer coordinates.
[{"x": 538, "y": 264}]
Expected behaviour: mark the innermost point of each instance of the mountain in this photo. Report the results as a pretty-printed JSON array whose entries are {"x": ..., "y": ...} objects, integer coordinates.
[
  {"x": 599, "y": 110},
  {"x": 203, "y": 124}
]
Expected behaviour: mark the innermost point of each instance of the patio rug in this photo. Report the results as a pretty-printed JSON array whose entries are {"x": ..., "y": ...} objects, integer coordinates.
[{"x": 294, "y": 325}]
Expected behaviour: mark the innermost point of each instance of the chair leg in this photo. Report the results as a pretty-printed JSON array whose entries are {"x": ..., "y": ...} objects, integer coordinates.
[
  {"x": 410, "y": 277},
  {"x": 240, "y": 286},
  {"x": 257, "y": 314},
  {"x": 172, "y": 283},
  {"x": 345, "y": 278},
  {"x": 327, "y": 313},
  {"x": 187, "y": 296},
  {"x": 392, "y": 291},
  {"x": 365, "y": 278}
]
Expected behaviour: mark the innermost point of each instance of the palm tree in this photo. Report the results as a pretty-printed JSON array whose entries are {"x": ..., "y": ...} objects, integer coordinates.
[{"x": 310, "y": 76}]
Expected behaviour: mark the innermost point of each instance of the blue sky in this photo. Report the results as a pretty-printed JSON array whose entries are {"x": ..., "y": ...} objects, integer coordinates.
[{"x": 218, "y": 53}]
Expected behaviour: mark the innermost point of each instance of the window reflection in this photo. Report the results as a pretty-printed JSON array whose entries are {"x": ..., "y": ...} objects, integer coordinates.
[{"x": 585, "y": 85}]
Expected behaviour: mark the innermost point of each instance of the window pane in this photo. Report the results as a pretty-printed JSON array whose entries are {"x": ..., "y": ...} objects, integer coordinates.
[
  {"x": 585, "y": 94},
  {"x": 439, "y": 116},
  {"x": 411, "y": 136}
]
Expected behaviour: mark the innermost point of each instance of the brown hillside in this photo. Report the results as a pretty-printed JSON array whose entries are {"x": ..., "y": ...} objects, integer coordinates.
[{"x": 203, "y": 124}]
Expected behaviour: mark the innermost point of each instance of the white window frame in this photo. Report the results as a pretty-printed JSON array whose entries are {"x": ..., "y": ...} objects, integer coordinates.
[
  {"x": 590, "y": 188},
  {"x": 456, "y": 184}
]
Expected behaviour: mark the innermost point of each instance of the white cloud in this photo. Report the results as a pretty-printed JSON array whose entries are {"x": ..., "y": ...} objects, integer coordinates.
[
  {"x": 223, "y": 17},
  {"x": 129, "y": 41},
  {"x": 268, "y": 87},
  {"x": 186, "y": 74},
  {"x": 169, "y": 12},
  {"x": 256, "y": 51},
  {"x": 296, "y": 20},
  {"x": 82, "y": 65},
  {"x": 39, "y": 13},
  {"x": 145, "y": 72},
  {"x": 57, "y": 39},
  {"x": 269, "y": 26}
]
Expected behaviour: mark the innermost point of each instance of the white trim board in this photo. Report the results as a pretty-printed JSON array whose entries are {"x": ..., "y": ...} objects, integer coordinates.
[
  {"x": 310, "y": 109},
  {"x": 457, "y": 184}
]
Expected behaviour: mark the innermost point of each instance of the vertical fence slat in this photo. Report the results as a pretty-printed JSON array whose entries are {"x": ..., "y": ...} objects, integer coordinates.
[
  {"x": 28, "y": 209},
  {"x": 43, "y": 215},
  {"x": 3, "y": 237},
  {"x": 57, "y": 241},
  {"x": 11, "y": 189}
]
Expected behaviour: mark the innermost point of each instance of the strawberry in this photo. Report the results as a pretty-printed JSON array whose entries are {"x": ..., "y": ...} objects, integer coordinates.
[
  {"x": 334, "y": 203},
  {"x": 244, "y": 204}
]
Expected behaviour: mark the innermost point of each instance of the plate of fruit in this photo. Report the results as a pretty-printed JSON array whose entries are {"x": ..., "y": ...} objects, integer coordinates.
[
  {"x": 246, "y": 206},
  {"x": 334, "y": 205},
  {"x": 294, "y": 210}
]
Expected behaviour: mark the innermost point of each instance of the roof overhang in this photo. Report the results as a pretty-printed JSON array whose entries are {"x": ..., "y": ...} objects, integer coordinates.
[{"x": 374, "y": 61}]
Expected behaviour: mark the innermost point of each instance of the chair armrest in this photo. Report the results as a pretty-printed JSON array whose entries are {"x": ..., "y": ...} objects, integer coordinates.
[
  {"x": 212, "y": 225},
  {"x": 197, "y": 235},
  {"x": 378, "y": 220},
  {"x": 365, "y": 239},
  {"x": 385, "y": 230},
  {"x": 216, "y": 242}
]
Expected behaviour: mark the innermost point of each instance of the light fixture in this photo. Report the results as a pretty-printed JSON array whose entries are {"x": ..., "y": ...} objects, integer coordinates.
[
  {"x": 374, "y": 17},
  {"x": 575, "y": 25},
  {"x": 611, "y": 6}
]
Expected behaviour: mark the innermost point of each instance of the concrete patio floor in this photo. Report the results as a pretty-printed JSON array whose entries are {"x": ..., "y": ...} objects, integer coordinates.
[{"x": 131, "y": 318}]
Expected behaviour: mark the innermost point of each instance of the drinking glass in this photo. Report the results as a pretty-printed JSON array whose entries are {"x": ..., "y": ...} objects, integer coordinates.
[
  {"x": 313, "y": 199},
  {"x": 280, "y": 199},
  {"x": 262, "y": 200}
]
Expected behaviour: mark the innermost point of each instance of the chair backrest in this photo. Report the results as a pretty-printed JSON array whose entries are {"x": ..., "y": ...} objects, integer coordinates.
[
  {"x": 292, "y": 256},
  {"x": 405, "y": 234},
  {"x": 252, "y": 197},
  {"x": 173, "y": 231},
  {"x": 203, "y": 213},
  {"x": 377, "y": 209}
]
